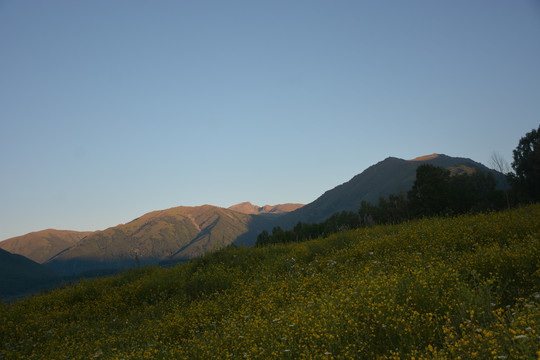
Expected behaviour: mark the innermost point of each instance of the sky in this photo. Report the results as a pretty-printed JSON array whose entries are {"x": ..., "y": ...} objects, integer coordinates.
[{"x": 111, "y": 109}]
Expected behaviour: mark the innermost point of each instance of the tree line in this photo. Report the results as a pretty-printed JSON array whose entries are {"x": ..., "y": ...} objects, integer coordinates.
[{"x": 435, "y": 192}]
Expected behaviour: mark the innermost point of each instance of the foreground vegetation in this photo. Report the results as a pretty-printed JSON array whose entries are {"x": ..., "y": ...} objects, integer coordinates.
[{"x": 464, "y": 287}]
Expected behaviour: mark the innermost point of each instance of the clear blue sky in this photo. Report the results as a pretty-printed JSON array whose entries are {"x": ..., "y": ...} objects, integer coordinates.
[{"x": 111, "y": 109}]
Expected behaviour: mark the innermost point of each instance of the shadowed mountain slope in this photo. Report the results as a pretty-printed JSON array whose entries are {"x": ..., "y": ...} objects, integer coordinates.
[
  {"x": 390, "y": 176},
  {"x": 40, "y": 246},
  {"x": 18, "y": 274},
  {"x": 174, "y": 234}
]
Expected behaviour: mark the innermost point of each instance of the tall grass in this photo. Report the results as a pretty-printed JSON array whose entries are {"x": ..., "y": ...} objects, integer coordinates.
[{"x": 464, "y": 287}]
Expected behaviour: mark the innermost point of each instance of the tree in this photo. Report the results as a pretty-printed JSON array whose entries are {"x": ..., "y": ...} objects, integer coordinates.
[
  {"x": 474, "y": 192},
  {"x": 526, "y": 165},
  {"x": 395, "y": 209},
  {"x": 368, "y": 213},
  {"x": 501, "y": 165},
  {"x": 263, "y": 239},
  {"x": 429, "y": 195}
]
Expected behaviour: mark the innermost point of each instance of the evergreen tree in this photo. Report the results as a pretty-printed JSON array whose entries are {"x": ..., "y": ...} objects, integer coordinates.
[
  {"x": 429, "y": 195},
  {"x": 526, "y": 164}
]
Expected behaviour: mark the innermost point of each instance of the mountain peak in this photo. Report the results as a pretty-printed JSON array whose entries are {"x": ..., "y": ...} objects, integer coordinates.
[
  {"x": 248, "y": 208},
  {"x": 390, "y": 176},
  {"x": 426, "y": 157}
]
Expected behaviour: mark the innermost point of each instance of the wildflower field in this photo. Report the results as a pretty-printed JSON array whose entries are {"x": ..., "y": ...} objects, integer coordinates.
[{"x": 442, "y": 288}]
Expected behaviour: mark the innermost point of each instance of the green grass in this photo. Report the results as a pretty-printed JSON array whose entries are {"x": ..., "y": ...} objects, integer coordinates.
[{"x": 465, "y": 287}]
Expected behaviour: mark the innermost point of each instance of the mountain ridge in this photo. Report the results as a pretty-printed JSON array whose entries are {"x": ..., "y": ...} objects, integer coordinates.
[
  {"x": 175, "y": 234},
  {"x": 42, "y": 245},
  {"x": 249, "y": 208},
  {"x": 183, "y": 232},
  {"x": 389, "y": 176}
]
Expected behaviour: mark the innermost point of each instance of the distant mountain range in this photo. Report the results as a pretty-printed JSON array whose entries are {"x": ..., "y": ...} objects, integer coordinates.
[
  {"x": 174, "y": 234},
  {"x": 182, "y": 233}
]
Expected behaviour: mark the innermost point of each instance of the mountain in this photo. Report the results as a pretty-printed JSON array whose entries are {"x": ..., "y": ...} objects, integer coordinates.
[
  {"x": 182, "y": 233},
  {"x": 179, "y": 233},
  {"x": 390, "y": 176},
  {"x": 42, "y": 245},
  {"x": 18, "y": 274},
  {"x": 249, "y": 208}
]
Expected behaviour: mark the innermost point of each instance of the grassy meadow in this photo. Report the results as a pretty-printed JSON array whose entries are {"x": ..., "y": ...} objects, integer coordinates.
[{"x": 442, "y": 288}]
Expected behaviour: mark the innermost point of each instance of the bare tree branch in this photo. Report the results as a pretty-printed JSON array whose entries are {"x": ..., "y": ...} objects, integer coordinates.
[{"x": 499, "y": 163}]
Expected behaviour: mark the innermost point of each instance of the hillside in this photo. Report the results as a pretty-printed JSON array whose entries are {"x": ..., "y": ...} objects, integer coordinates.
[
  {"x": 42, "y": 245},
  {"x": 18, "y": 274},
  {"x": 390, "y": 176},
  {"x": 249, "y": 208},
  {"x": 174, "y": 234},
  {"x": 462, "y": 287}
]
